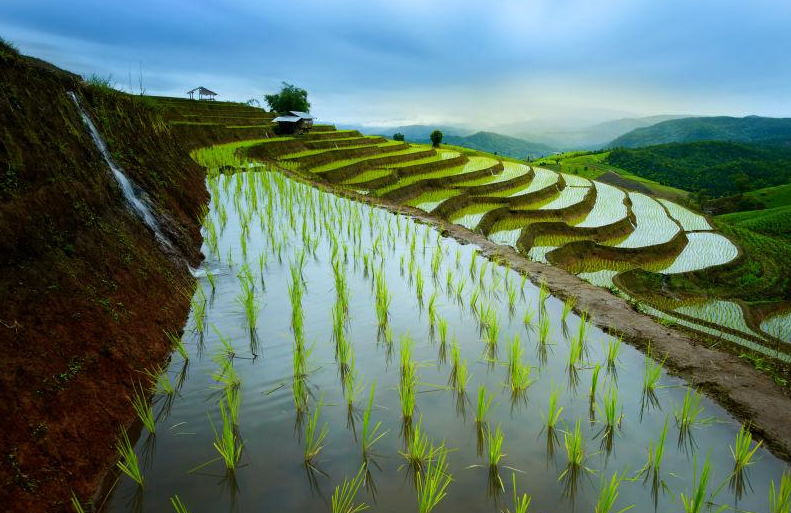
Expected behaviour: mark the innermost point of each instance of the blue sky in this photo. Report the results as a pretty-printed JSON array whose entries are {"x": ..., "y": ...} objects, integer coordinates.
[{"x": 475, "y": 63}]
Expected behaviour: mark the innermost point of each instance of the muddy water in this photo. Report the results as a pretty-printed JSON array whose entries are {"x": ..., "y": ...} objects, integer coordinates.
[{"x": 180, "y": 459}]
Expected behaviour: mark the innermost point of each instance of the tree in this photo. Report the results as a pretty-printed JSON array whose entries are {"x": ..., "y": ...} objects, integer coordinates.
[
  {"x": 742, "y": 183},
  {"x": 436, "y": 138},
  {"x": 289, "y": 98},
  {"x": 398, "y": 136}
]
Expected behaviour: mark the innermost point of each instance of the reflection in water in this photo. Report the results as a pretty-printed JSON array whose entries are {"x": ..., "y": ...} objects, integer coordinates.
[{"x": 332, "y": 255}]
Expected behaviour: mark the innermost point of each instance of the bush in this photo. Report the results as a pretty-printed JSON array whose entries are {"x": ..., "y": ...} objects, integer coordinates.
[
  {"x": 398, "y": 136},
  {"x": 436, "y": 138}
]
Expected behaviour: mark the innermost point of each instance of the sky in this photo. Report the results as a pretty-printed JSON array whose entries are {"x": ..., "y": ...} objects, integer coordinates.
[{"x": 471, "y": 63}]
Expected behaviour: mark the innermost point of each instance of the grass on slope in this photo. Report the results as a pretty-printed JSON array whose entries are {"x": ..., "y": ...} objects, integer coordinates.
[
  {"x": 771, "y": 197},
  {"x": 772, "y": 221}
]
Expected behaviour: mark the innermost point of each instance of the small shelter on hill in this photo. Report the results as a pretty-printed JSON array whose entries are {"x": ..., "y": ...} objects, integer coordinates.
[
  {"x": 203, "y": 93},
  {"x": 295, "y": 122}
]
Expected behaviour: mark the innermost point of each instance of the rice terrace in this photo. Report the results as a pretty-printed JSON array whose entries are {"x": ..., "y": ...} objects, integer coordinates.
[{"x": 409, "y": 290}]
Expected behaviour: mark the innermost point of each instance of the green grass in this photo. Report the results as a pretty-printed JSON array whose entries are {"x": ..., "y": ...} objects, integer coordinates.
[
  {"x": 344, "y": 496},
  {"x": 772, "y": 197}
]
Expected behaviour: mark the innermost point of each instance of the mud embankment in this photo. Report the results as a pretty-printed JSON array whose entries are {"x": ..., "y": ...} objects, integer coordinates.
[{"x": 86, "y": 289}]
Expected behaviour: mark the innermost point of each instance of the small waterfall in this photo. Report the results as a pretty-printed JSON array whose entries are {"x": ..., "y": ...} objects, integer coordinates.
[{"x": 128, "y": 189}]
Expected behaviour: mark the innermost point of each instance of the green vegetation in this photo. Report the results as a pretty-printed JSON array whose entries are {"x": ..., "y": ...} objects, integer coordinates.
[
  {"x": 718, "y": 168},
  {"x": 436, "y": 138},
  {"x": 289, "y": 98},
  {"x": 721, "y": 128},
  {"x": 343, "y": 498},
  {"x": 499, "y": 144}
]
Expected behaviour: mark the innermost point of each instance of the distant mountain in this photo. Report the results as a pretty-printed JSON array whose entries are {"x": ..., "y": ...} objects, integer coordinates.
[
  {"x": 412, "y": 133},
  {"x": 721, "y": 168},
  {"x": 500, "y": 144},
  {"x": 570, "y": 135},
  {"x": 720, "y": 128}
]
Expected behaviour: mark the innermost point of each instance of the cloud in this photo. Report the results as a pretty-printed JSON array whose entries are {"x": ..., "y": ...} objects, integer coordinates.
[{"x": 441, "y": 61}]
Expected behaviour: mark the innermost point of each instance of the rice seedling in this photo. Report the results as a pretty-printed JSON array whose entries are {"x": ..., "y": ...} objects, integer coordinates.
[
  {"x": 484, "y": 403},
  {"x": 612, "y": 352},
  {"x": 370, "y": 434},
  {"x": 432, "y": 484},
  {"x": 651, "y": 377},
  {"x": 689, "y": 414},
  {"x": 352, "y": 386},
  {"x": 527, "y": 319},
  {"x": 226, "y": 441},
  {"x": 432, "y": 310},
  {"x": 462, "y": 377},
  {"x": 521, "y": 504},
  {"x": 250, "y": 305},
  {"x": 406, "y": 393},
  {"x": 128, "y": 464},
  {"x": 443, "y": 330},
  {"x": 492, "y": 329},
  {"x": 143, "y": 409},
  {"x": 161, "y": 381},
  {"x": 612, "y": 418},
  {"x": 594, "y": 383},
  {"x": 178, "y": 344},
  {"x": 696, "y": 501},
  {"x": 608, "y": 495},
  {"x": 419, "y": 286},
  {"x": 198, "y": 304},
  {"x": 460, "y": 288},
  {"x": 344, "y": 496},
  {"x": 178, "y": 506},
  {"x": 76, "y": 505},
  {"x": 449, "y": 281},
  {"x": 543, "y": 329},
  {"x": 575, "y": 452},
  {"x": 212, "y": 280},
  {"x": 494, "y": 444},
  {"x": 568, "y": 306},
  {"x": 543, "y": 294},
  {"x": 314, "y": 439},
  {"x": 656, "y": 452},
  {"x": 511, "y": 299},
  {"x": 418, "y": 450},
  {"x": 742, "y": 452},
  {"x": 554, "y": 411},
  {"x": 780, "y": 497}
]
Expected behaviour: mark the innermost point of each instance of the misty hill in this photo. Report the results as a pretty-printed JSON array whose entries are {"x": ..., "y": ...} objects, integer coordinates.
[
  {"x": 710, "y": 165},
  {"x": 500, "y": 145},
  {"x": 574, "y": 135},
  {"x": 720, "y": 128},
  {"x": 412, "y": 133}
]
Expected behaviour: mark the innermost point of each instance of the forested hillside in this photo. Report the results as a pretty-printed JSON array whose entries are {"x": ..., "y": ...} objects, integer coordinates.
[
  {"x": 720, "y": 128},
  {"x": 721, "y": 168}
]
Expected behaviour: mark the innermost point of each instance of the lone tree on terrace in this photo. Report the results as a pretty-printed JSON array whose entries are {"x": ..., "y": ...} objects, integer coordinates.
[
  {"x": 436, "y": 138},
  {"x": 289, "y": 98},
  {"x": 398, "y": 136}
]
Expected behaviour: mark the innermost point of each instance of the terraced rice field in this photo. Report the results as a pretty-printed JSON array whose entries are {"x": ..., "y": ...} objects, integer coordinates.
[
  {"x": 652, "y": 225},
  {"x": 608, "y": 221},
  {"x": 334, "y": 346},
  {"x": 471, "y": 216},
  {"x": 510, "y": 171},
  {"x": 608, "y": 209},
  {"x": 430, "y": 200},
  {"x": 703, "y": 249},
  {"x": 567, "y": 197}
]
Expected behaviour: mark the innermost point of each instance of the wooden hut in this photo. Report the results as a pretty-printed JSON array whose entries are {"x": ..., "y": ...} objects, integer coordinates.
[
  {"x": 295, "y": 122},
  {"x": 203, "y": 93}
]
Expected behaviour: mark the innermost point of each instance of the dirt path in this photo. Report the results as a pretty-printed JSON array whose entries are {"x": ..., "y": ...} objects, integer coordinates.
[{"x": 745, "y": 392}]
